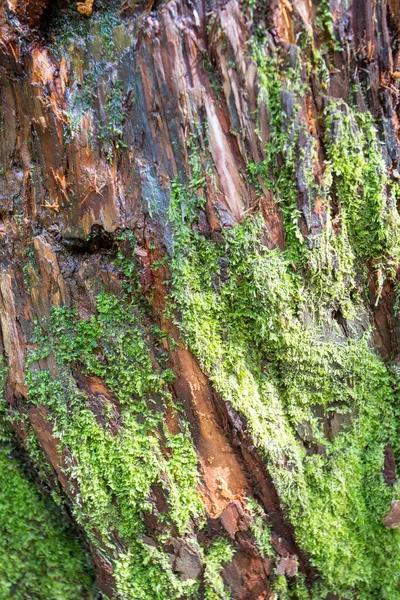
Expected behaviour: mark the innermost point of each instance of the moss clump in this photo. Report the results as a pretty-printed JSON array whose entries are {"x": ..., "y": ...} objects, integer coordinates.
[
  {"x": 357, "y": 200},
  {"x": 260, "y": 529},
  {"x": 278, "y": 169},
  {"x": 116, "y": 464},
  {"x": 42, "y": 556},
  {"x": 248, "y": 330},
  {"x": 326, "y": 259},
  {"x": 359, "y": 177},
  {"x": 219, "y": 553}
]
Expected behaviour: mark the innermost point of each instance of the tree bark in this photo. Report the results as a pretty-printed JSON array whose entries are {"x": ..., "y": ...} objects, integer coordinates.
[{"x": 199, "y": 297}]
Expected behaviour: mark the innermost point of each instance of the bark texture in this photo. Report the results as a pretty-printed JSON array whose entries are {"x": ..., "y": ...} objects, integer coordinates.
[{"x": 199, "y": 248}]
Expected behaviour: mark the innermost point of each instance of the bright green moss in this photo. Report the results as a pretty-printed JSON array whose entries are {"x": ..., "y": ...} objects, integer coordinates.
[
  {"x": 254, "y": 324},
  {"x": 146, "y": 573},
  {"x": 360, "y": 219},
  {"x": 281, "y": 588},
  {"x": 330, "y": 279},
  {"x": 115, "y": 463},
  {"x": 360, "y": 180},
  {"x": 327, "y": 258},
  {"x": 260, "y": 528},
  {"x": 219, "y": 553},
  {"x": 278, "y": 169},
  {"x": 259, "y": 321},
  {"x": 249, "y": 332},
  {"x": 42, "y": 557}
]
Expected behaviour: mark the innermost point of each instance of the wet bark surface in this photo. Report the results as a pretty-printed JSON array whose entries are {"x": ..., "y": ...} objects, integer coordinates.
[{"x": 89, "y": 152}]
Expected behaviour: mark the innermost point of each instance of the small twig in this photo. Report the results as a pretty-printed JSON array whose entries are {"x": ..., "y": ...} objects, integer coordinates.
[{"x": 55, "y": 206}]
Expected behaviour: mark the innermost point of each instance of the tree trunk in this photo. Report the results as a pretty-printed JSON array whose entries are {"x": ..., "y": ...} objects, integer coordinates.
[{"x": 199, "y": 299}]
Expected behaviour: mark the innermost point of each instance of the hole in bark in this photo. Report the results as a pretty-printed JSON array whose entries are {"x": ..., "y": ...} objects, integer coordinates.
[
  {"x": 338, "y": 316},
  {"x": 98, "y": 240}
]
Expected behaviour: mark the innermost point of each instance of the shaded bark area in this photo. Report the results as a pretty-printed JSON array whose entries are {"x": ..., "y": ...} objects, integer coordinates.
[{"x": 92, "y": 134}]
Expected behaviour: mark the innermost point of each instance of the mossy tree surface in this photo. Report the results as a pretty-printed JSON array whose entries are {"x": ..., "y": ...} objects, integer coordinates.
[
  {"x": 192, "y": 187},
  {"x": 262, "y": 330},
  {"x": 116, "y": 470},
  {"x": 41, "y": 555}
]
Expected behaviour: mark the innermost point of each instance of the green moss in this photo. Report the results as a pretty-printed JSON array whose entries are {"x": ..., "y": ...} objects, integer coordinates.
[
  {"x": 330, "y": 275},
  {"x": 42, "y": 557},
  {"x": 355, "y": 188},
  {"x": 112, "y": 126},
  {"x": 360, "y": 181},
  {"x": 219, "y": 553},
  {"x": 278, "y": 169},
  {"x": 260, "y": 528},
  {"x": 67, "y": 27},
  {"x": 325, "y": 21},
  {"x": 249, "y": 332},
  {"x": 255, "y": 325},
  {"x": 281, "y": 588},
  {"x": 261, "y": 327},
  {"x": 115, "y": 463},
  {"x": 93, "y": 49},
  {"x": 29, "y": 269}
]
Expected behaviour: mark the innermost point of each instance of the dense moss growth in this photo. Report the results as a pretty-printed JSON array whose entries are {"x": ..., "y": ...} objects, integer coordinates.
[
  {"x": 357, "y": 168},
  {"x": 116, "y": 461},
  {"x": 319, "y": 403},
  {"x": 283, "y": 376},
  {"x": 354, "y": 190},
  {"x": 42, "y": 557}
]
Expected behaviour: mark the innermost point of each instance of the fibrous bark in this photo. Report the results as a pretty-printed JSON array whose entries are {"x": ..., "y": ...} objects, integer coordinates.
[{"x": 198, "y": 298}]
